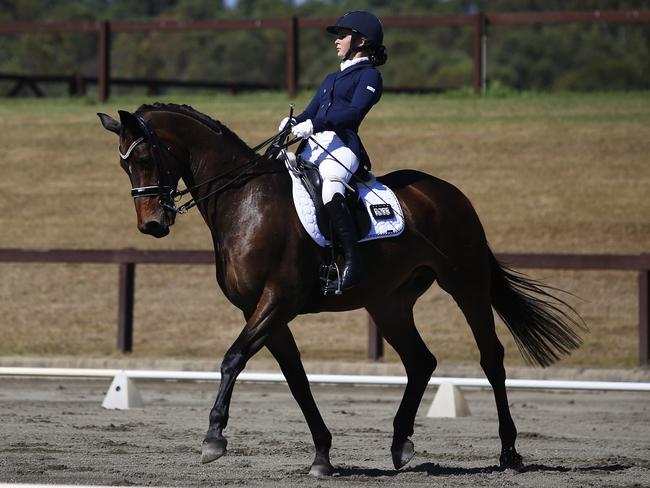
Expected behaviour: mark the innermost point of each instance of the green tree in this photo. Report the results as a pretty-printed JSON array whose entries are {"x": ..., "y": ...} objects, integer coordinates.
[{"x": 551, "y": 57}]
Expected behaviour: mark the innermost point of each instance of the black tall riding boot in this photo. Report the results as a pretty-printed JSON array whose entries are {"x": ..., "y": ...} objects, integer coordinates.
[{"x": 346, "y": 234}]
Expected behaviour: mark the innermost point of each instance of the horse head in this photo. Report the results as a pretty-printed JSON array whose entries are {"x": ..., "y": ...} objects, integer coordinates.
[
  {"x": 149, "y": 163},
  {"x": 165, "y": 142}
]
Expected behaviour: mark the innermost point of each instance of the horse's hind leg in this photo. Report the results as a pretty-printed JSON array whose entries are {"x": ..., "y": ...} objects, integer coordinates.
[
  {"x": 473, "y": 297},
  {"x": 394, "y": 317},
  {"x": 283, "y": 347}
]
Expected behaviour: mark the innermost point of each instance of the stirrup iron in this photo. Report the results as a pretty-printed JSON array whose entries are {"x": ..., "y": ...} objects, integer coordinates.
[{"x": 330, "y": 277}]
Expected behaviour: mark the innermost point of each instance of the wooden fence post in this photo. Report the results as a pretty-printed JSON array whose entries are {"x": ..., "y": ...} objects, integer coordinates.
[
  {"x": 644, "y": 318},
  {"x": 125, "y": 307},
  {"x": 104, "y": 58},
  {"x": 375, "y": 341},
  {"x": 292, "y": 56},
  {"x": 480, "y": 37}
]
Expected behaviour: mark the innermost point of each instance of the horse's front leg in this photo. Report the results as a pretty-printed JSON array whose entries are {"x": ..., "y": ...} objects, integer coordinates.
[
  {"x": 269, "y": 314},
  {"x": 284, "y": 349}
]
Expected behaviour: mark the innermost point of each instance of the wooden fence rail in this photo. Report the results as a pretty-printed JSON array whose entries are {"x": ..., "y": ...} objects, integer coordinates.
[
  {"x": 127, "y": 259},
  {"x": 479, "y": 23}
]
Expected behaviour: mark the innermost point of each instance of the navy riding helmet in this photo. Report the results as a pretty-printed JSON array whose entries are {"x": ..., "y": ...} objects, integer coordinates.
[{"x": 363, "y": 23}]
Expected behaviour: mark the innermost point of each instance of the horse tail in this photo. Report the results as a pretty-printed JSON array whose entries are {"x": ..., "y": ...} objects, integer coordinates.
[{"x": 542, "y": 325}]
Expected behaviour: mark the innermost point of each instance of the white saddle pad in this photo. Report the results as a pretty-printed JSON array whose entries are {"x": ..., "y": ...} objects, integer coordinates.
[{"x": 374, "y": 194}]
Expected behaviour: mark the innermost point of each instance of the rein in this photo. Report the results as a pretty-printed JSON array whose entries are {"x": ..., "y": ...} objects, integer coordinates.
[
  {"x": 177, "y": 194},
  {"x": 271, "y": 151},
  {"x": 169, "y": 195}
]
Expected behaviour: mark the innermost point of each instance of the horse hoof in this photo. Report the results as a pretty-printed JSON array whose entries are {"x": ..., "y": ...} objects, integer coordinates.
[
  {"x": 510, "y": 459},
  {"x": 321, "y": 470},
  {"x": 402, "y": 454},
  {"x": 213, "y": 449}
]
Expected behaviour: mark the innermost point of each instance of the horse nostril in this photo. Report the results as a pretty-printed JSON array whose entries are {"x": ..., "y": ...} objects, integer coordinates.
[
  {"x": 154, "y": 228},
  {"x": 151, "y": 226}
]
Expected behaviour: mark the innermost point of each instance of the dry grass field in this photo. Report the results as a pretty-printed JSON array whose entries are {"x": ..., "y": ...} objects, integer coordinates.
[{"x": 547, "y": 173}]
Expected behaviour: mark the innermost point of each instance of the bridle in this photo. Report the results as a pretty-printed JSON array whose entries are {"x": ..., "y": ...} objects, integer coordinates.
[
  {"x": 145, "y": 191},
  {"x": 164, "y": 192},
  {"x": 168, "y": 195}
]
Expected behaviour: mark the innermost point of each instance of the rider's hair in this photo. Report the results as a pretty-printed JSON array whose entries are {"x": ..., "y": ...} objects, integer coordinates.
[{"x": 376, "y": 52}]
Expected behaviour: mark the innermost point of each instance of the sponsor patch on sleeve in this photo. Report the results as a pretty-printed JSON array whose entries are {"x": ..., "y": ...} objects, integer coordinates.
[{"x": 368, "y": 87}]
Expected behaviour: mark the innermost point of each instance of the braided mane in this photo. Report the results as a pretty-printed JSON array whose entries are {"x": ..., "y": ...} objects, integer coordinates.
[{"x": 191, "y": 112}]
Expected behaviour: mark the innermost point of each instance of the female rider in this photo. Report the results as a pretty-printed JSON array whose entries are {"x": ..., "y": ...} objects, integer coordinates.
[{"x": 330, "y": 123}]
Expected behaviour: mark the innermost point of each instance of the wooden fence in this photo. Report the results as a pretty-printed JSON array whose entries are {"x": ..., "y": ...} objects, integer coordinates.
[
  {"x": 128, "y": 258},
  {"x": 479, "y": 23}
]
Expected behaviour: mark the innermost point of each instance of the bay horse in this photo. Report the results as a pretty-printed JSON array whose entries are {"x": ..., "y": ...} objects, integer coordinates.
[{"x": 267, "y": 266}]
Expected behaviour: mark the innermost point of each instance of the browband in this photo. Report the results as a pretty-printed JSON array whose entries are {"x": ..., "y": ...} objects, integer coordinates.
[{"x": 131, "y": 148}]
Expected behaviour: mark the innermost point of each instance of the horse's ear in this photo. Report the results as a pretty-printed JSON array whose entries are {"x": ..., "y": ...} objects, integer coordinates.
[
  {"x": 110, "y": 123},
  {"x": 130, "y": 123}
]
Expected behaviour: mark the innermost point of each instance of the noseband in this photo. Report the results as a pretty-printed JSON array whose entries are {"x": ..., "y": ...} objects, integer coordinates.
[{"x": 165, "y": 193}]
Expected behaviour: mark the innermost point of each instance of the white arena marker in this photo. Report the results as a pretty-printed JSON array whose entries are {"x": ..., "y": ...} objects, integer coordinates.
[
  {"x": 122, "y": 394},
  {"x": 448, "y": 402}
]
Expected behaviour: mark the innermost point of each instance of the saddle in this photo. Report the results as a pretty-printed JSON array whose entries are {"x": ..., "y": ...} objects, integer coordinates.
[
  {"x": 373, "y": 206},
  {"x": 311, "y": 179}
]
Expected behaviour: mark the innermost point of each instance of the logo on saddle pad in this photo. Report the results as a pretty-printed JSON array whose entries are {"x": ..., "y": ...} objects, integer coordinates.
[{"x": 377, "y": 213}]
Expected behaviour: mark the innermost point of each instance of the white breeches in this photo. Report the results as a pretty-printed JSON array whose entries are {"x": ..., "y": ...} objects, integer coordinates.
[{"x": 332, "y": 173}]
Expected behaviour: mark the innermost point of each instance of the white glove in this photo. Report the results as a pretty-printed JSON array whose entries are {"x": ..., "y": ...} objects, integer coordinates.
[
  {"x": 284, "y": 123},
  {"x": 303, "y": 129}
]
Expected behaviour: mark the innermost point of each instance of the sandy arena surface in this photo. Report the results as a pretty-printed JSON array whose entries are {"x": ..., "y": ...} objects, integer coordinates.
[{"x": 55, "y": 431}]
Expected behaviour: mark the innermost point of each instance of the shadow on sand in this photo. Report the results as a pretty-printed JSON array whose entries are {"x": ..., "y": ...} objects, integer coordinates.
[{"x": 432, "y": 469}]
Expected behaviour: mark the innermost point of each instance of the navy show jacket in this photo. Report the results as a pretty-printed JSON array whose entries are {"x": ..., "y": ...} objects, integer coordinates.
[{"x": 342, "y": 101}]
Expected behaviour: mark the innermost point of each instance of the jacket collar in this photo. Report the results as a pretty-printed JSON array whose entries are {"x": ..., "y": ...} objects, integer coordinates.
[
  {"x": 351, "y": 62},
  {"x": 354, "y": 67}
]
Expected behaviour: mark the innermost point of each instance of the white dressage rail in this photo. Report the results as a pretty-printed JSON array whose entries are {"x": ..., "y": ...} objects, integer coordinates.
[{"x": 339, "y": 379}]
